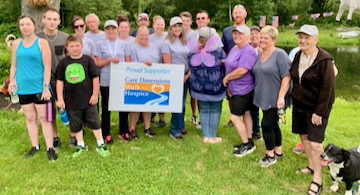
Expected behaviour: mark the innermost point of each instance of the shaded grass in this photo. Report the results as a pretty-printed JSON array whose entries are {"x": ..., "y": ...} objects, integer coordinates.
[{"x": 162, "y": 165}]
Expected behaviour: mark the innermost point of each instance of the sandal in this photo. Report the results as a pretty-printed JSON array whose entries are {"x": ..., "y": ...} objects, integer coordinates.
[
  {"x": 306, "y": 171},
  {"x": 317, "y": 192}
]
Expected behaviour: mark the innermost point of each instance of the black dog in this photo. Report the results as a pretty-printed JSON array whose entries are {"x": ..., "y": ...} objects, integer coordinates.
[{"x": 344, "y": 165}]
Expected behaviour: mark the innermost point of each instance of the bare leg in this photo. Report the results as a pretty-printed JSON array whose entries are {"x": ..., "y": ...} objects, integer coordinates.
[
  {"x": 79, "y": 136},
  {"x": 31, "y": 124},
  {"x": 134, "y": 117},
  {"x": 97, "y": 134},
  {"x": 306, "y": 144},
  {"x": 46, "y": 126},
  {"x": 315, "y": 152},
  {"x": 147, "y": 119},
  {"x": 193, "y": 103},
  {"x": 248, "y": 123},
  {"x": 162, "y": 117},
  {"x": 240, "y": 127}
]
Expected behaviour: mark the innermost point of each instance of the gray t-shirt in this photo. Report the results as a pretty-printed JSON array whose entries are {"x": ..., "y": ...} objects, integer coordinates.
[
  {"x": 158, "y": 41},
  {"x": 57, "y": 47},
  {"x": 178, "y": 52},
  {"x": 129, "y": 41},
  {"x": 96, "y": 37},
  {"x": 108, "y": 49},
  {"x": 268, "y": 76},
  {"x": 142, "y": 54},
  {"x": 192, "y": 35},
  {"x": 88, "y": 46}
]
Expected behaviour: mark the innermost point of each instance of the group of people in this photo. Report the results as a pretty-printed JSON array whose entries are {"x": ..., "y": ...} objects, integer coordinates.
[{"x": 244, "y": 66}]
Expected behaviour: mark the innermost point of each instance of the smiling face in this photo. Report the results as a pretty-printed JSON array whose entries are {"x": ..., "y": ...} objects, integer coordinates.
[
  {"x": 124, "y": 28},
  {"x": 51, "y": 20},
  {"x": 142, "y": 37},
  {"x": 254, "y": 37},
  {"x": 202, "y": 19},
  {"x": 266, "y": 41},
  {"x": 111, "y": 32},
  {"x": 187, "y": 22},
  {"x": 26, "y": 26},
  {"x": 79, "y": 27},
  {"x": 176, "y": 29},
  {"x": 159, "y": 26},
  {"x": 307, "y": 42},
  {"x": 239, "y": 14},
  {"x": 240, "y": 39}
]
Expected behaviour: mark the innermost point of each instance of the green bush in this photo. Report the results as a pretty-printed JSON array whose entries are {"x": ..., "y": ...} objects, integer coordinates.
[{"x": 5, "y": 61}]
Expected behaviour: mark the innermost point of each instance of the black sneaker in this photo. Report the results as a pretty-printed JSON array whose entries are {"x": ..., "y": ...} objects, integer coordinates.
[
  {"x": 51, "y": 155},
  {"x": 160, "y": 124},
  {"x": 256, "y": 135},
  {"x": 236, "y": 147},
  {"x": 149, "y": 132},
  {"x": 72, "y": 142},
  {"x": 31, "y": 153},
  {"x": 133, "y": 134},
  {"x": 56, "y": 144},
  {"x": 244, "y": 149},
  {"x": 267, "y": 161}
]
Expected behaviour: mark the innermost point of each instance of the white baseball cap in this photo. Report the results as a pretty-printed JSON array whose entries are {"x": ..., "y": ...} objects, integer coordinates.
[
  {"x": 175, "y": 20},
  {"x": 111, "y": 23},
  {"x": 310, "y": 30},
  {"x": 243, "y": 30}
]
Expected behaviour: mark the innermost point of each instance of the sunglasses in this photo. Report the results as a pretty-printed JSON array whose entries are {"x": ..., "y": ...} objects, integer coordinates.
[
  {"x": 202, "y": 18},
  {"x": 79, "y": 26}
]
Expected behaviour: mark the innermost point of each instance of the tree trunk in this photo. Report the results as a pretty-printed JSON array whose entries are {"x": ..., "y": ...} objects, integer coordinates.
[{"x": 37, "y": 12}]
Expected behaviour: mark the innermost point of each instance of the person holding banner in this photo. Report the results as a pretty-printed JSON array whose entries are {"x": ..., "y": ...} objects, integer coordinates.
[
  {"x": 272, "y": 81},
  {"x": 175, "y": 51},
  {"x": 111, "y": 50},
  {"x": 145, "y": 52}
]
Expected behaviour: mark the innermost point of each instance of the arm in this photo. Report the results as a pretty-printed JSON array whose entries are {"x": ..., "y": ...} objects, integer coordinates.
[
  {"x": 127, "y": 59},
  {"x": 13, "y": 63},
  {"x": 46, "y": 57},
  {"x": 166, "y": 58},
  {"x": 284, "y": 87},
  {"x": 237, "y": 73},
  {"x": 59, "y": 92},
  {"x": 102, "y": 63},
  {"x": 94, "y": 97}
]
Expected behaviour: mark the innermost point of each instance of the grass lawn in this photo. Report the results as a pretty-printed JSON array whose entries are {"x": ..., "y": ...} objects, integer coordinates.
[{"x": 162, "y": 165}]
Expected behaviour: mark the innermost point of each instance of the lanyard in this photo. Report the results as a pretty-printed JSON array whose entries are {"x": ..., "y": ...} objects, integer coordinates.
[{"x": 111, "y": 51}]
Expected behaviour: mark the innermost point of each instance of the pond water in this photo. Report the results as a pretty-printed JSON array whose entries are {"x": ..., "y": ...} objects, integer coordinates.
[{"x": 347, "y": 60}]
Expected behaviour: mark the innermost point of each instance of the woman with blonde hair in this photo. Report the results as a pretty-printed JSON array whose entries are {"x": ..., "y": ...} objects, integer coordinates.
[
  {"x": 175, "y": 51},
  {"x": 272, "y": 81}
]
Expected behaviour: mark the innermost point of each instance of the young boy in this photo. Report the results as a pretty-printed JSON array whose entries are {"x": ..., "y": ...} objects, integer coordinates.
[{"x": 78, "y": 76}]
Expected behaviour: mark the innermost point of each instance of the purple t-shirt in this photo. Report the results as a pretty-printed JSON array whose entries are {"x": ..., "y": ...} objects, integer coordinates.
[{"x": 241, "y": 58}]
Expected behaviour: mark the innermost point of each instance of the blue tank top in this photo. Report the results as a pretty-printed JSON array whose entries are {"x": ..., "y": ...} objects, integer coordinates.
[{"x": 29, "y": 69}]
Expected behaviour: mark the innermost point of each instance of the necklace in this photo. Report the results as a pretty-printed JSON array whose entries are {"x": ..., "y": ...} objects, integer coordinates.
[{"x": 48, "y": 38}]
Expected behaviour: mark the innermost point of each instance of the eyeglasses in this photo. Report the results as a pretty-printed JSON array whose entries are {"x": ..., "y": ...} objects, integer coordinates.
[
  {"x": 202, "y": 18},
  {"x": 79, "y": 26}
]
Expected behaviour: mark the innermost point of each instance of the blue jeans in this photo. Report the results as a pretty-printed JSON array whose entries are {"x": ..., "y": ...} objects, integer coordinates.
[
  {"x": 177, "y": 119},
  {"x": 210, "y": 117}
]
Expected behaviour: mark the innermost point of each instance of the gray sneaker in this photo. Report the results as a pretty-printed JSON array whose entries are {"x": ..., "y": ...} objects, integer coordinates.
[
  {"x": 267, "y": 161},
  {"x": 244, "y": 149},
  {"x": 160, "y": 124}
]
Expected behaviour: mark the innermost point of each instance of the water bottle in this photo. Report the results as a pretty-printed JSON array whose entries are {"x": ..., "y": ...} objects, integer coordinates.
[
  {"x": 64, "y": 117},
  {"x": 49, "y": 111},
  {"x": 358, "y": 150},
  {"x": 14, "y": 95},
  {"x": 282, "y": 116}
]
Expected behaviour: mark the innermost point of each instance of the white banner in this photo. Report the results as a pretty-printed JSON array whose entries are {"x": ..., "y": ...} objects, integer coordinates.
[{"x": 136, "y": 87}]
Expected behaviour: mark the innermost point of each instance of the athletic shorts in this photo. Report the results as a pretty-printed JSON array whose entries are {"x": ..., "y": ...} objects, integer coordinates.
[
  {"x": 33, "y": 98},
  {"x": 241, "y": 104},
  {"x": 87, "y": 117},
  {"x": 301, "y": 124}
]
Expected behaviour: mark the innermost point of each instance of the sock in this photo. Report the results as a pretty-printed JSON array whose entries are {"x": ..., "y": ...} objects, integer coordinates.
[
  {"x": 100, "y": 142},
  {"x": 82, "y": 144},
  {"x": 37, "y": 147},
  {"x": 250, "y": 140}
]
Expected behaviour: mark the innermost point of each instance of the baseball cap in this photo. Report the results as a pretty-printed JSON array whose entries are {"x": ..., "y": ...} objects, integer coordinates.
[
  {"x": 111, "y": 23},
  {"x": 143, "y": 16},
  {"x": 175, "y": 20},
  {"x": 206, "y": 32},
  {"x": 310, "y": 30},
  {"x": 255, "y": 28},
  {"x": 242, "y": 29}
]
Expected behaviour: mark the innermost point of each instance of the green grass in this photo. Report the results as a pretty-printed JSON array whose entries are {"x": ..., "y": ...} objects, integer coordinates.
[{"x": 162, "y": 165}]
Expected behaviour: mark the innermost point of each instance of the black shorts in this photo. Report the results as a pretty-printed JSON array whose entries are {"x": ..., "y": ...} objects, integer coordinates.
[
  {"x": 87, "y": 116},
  {"x": 241, "y": 104},
  {"x": 33, "y": 98},
  {"x": 301, "y": 124}
]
